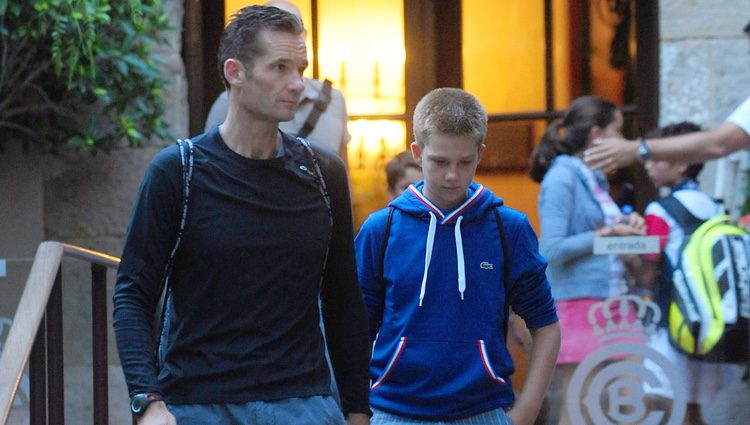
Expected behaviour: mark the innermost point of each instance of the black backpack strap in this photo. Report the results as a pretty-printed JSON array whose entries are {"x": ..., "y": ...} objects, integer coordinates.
[
  {"x": 186, "y": 163},
  {"x": 682, "y": 216},
  {"x": 323, "y": 188},
  {"x": 506, "y": 269},
  {"x": 386, "y": 234},
  {"x": 320, "y": 105}
]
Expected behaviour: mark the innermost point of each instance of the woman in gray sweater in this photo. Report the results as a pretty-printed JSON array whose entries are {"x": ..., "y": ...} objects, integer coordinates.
[{"x": 575, "y": 207}]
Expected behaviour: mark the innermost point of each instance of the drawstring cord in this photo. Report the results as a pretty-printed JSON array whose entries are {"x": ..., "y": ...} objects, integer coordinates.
[
  {"x": 460, "y": 258},
  {"x": 428, "y": 255}
]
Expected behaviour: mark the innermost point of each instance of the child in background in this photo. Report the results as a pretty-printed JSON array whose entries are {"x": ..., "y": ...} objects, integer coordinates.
[
  {"x": 703, "y": 379},
  {"x": 401, "y": 171},
  {"x": 434, "y": 272}
]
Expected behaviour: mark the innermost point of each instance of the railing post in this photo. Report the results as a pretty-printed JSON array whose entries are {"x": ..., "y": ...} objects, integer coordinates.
[
  {"x": 55, "y": 378},
  {"x": 99, "y": 338},
  {"x": 38, "y": 377},
  {"x": 36, "y": 337}
]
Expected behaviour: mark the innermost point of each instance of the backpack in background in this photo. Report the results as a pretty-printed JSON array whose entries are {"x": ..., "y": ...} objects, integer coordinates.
[{"x": 709, "y": 304}]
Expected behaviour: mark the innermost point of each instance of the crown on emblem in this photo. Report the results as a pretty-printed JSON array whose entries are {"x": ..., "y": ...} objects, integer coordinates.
[{"x": 624, "y": 317}]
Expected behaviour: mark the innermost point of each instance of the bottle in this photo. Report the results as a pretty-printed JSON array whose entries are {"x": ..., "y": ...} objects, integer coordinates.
[{"x": 625, "y": 211}]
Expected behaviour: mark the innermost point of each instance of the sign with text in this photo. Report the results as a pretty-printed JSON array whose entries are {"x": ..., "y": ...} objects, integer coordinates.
[{"x": 626, "y": 245}]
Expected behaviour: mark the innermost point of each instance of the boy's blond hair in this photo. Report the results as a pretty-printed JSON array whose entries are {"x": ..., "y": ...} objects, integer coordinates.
[{"x": 452, "y": 112}]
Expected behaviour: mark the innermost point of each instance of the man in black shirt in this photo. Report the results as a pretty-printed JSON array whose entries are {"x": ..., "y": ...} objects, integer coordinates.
[{"x": 268, "y": 230}]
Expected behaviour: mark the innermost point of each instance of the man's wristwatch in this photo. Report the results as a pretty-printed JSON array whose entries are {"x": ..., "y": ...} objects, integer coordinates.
[
  {"x": 644, "y": 153},
  {"x": 140, "y": 402}
]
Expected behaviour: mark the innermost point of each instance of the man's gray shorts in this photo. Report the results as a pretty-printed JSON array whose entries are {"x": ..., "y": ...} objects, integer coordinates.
[{"x": 315, "y": 410}]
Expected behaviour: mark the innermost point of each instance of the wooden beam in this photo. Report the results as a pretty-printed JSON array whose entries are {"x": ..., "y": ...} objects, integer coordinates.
[{"x": 26, "y": 322}]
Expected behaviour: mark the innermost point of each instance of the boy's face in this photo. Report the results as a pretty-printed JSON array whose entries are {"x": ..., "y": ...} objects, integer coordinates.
[
  {"x": 411, "y": 175},
  {"x": 663, "y": 173},
  {"x": 448, "y": 165}
]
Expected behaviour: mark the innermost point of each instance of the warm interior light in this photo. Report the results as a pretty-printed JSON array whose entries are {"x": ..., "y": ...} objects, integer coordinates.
[
  {"x": 375, "y": 142},
  {"x": 504, "y": 64},
  {"x": 362, "y": 52}
]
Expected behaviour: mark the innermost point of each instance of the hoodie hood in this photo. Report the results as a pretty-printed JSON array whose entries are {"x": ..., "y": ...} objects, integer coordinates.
[{"x": 477, "y": 204}]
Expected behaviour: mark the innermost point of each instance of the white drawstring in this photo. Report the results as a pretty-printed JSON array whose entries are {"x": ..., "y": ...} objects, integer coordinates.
[
  {"x": 460, "y": 258},
  {"x": 428, "y": 255}
]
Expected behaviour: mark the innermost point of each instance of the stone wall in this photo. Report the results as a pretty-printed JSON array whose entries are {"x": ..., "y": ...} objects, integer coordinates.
[{"x": 705, "y": 64}]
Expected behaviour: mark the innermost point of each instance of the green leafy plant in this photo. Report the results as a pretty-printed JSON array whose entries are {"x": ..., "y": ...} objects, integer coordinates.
[{"x": 81, "y": 72}]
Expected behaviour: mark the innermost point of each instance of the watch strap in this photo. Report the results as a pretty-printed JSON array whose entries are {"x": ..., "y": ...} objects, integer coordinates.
[
  {"x": 644, "y": 152},
  {"x": 140, "y": 402}
]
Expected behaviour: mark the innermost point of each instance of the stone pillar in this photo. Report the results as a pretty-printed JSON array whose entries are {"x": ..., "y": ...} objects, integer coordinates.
[{"x": 704, "y": 76}]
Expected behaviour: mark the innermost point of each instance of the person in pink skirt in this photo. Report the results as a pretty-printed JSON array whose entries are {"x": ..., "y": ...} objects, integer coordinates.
[{"x": 574, "y": 208}]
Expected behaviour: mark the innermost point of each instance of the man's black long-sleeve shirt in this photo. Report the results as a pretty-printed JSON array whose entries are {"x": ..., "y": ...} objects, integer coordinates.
[{"x": 242, "y": 322}]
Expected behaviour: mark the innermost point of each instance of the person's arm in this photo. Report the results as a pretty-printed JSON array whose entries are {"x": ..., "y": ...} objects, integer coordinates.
[
  {"x": 611, "y": 153},
  {"x": 544, "y": 348},
  {"x": 218, "y": 112},
  {"x": 343, "y": 310},
  {"x": 368, "y": 246},
  {"x": 345, "y": 135},
  {"x": 531, "y": 299},
  {"x": 148, "y": 242},
  {"x": 556, "y": 213}
]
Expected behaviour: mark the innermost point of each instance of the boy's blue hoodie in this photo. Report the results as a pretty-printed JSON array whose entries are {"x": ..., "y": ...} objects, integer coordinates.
[{"x": 438, "y": 314}]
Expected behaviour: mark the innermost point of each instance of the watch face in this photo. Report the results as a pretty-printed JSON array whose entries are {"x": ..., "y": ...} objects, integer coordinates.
[
  {"x": 137, "y": 405},
  {"x": 643, "y": 152}
]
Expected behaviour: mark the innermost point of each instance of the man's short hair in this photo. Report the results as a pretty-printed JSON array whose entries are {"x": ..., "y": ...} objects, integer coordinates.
[
  {"x": 452, "y": 112},
  {"x": 676, "y": 129},
  {"x": 397, "y": 166},
  {"x": 747, "y": 28},
  {"x": 240, "y": 39}
]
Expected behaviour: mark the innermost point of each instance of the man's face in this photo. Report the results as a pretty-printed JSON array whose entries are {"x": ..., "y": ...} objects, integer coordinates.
[
  {"x": 271, "y": 90},
  {"x": 448, "y": 164}
]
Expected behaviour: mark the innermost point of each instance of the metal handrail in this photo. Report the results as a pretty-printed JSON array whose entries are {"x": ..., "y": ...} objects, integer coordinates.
[{"x": 36, "y": 335}]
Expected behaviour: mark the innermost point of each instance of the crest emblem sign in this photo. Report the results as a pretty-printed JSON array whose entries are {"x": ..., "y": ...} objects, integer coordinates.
[{"x": 607, "y": 387}]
